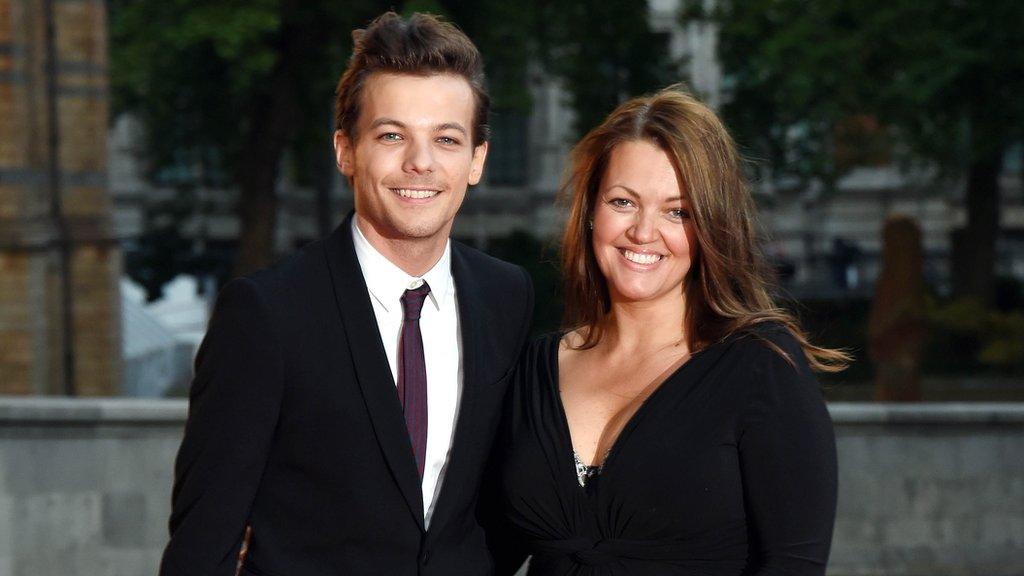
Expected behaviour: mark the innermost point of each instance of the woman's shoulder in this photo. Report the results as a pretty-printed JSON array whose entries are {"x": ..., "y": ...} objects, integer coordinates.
[
  {"x": 771, "y": 331},
  {"x": 539, "y": 353},
  {"x": 544, "y": 344},
  {"x": 555, "y": 343},
  {"x": 768, "y": 344}
]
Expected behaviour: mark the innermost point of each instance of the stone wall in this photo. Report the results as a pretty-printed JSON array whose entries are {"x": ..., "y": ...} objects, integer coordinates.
[
  {"x": 85, "y": 485},
  {"x": 929, "y": 489},
  {"x": 925, "y": 489}
]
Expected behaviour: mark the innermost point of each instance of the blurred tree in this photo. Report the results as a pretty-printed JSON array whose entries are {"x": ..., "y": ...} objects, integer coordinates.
[
  {"x": 605, "y": 52},
  {"x": 237, "y": 81},
  {"x": 240, "y": 86},
  {"x": 819, "y": 87},
  {"x": 505, "y": 34}
]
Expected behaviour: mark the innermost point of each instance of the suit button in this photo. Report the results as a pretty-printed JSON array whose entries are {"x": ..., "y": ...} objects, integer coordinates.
[{"x": 425, "y": 557}]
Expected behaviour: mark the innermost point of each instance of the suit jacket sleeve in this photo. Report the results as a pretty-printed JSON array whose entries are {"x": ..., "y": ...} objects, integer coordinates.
[
  {"x": 508, "y": 550},
  {"x": 233, "y": 409}
]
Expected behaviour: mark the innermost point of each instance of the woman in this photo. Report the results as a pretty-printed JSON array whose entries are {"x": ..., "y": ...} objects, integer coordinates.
[{"x": 676, "y": 427}]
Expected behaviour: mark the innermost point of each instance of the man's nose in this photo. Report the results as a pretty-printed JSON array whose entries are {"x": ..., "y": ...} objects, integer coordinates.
[{"x": 419, "y": 157}]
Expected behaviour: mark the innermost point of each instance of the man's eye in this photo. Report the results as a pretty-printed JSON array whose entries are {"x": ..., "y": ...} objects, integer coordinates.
[
  {"x": 448, "y": 141},
  {"x": 390, "y": 136}
]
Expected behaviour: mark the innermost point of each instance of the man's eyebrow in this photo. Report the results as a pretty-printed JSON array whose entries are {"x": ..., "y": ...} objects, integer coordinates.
[
  {"x": 386, "y": 121},
  {"x": 399, "y": 124},
  {"x": 451, "y": 126}
]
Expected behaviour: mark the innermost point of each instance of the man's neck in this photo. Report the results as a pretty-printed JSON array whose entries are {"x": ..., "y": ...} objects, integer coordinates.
[{"x": 415, "y": 256}]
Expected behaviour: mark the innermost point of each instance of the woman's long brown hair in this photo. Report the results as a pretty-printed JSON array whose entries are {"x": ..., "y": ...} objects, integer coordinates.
[{"x": 727, "y": 287}]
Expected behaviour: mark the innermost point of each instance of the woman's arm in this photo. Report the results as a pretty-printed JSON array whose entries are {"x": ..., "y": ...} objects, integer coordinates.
[{"x": 788, "y": 460}]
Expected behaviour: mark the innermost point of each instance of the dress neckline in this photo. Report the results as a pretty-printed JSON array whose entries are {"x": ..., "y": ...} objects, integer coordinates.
[{"x": 631, "y": 423}]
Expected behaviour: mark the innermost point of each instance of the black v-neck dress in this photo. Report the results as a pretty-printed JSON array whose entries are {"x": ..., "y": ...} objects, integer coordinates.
[{"x": 728, "y": 468}]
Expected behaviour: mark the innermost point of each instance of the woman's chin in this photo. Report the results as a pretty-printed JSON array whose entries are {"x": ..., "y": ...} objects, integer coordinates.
[{"x": 637, "y": 294}]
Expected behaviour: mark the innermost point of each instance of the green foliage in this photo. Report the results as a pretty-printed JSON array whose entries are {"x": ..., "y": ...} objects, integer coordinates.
[
  {"x": 943, "y": 78},
  {"x": 196, "y": 72},
  {"x": 789, "y": 80},
  {"x": 187, "y": 70},
  {"x": 954, "y": 66},
  {"x": 434, "y": 7},
  {"x": 504, "y": 33},
  {"x": 995, "y": 338},
  {"x": 605, "y": 52}
]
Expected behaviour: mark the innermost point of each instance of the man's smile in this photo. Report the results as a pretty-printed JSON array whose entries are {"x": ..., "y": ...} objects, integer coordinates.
[{"x": 416, "y": 193}]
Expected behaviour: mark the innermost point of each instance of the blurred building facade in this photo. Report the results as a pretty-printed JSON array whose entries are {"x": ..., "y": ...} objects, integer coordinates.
[
  {"x": 825, "y": 244},
  {"x": 54, "y": 89}
]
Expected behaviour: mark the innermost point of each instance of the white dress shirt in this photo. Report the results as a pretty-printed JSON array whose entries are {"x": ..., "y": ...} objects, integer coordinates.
[{"x": 442, "y": 347}]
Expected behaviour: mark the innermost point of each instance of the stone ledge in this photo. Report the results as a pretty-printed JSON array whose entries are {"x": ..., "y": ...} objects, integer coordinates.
[
  {"x": 14, "y": 409},
  {"x": 934, "y": 413},
  {"x": 71, "y": 411}
]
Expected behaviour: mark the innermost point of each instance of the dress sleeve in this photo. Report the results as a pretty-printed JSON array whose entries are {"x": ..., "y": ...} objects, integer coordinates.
[
  {"x": 788, "y": 462},
  {"x": 233, "y": 408}
]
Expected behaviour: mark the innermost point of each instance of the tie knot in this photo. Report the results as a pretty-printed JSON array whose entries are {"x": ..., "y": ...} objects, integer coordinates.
[{"x": 412, "y": 301}]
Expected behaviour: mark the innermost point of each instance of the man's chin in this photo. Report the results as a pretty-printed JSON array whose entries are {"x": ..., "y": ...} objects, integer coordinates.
[{"x": 414, "y": 229}]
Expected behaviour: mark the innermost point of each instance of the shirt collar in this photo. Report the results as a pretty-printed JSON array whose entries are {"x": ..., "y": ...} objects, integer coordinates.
[{"x": 386, "y": 282}]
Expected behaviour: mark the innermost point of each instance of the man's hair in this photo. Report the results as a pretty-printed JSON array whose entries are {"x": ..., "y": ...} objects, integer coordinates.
[{"x": 421, "y": 45}]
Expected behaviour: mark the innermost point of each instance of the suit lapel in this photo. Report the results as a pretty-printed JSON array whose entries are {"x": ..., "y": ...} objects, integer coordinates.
[
  {"x": 371, "y": 365},
  {"x": 475, "y": 344}
]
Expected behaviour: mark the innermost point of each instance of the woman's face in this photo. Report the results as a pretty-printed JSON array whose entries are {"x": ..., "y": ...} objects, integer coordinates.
[{"x": 643, "y": 237}]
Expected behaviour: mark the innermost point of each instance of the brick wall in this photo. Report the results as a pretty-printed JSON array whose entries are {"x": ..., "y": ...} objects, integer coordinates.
[{"x": 31, "y": 312}]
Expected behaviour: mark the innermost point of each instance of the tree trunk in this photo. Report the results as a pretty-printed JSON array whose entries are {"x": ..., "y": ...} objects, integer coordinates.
[
  {"x": 974, "y": 247},
  {"x": 273, "y": 125}
]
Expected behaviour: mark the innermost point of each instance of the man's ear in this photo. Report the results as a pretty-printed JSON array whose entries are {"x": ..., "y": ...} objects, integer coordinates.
[
  {"x": 476, "y": 167},
  {"x": 344, "y": 153}
]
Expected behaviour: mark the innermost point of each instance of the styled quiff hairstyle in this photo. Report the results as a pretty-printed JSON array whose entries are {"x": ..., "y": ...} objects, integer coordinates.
[
  {"x": 727, "y": 286},
  {"x": 421, "y": 45}
]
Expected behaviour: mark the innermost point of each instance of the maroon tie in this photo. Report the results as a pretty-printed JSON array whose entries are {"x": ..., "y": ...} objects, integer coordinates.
[{"x": 412, "y": 373}]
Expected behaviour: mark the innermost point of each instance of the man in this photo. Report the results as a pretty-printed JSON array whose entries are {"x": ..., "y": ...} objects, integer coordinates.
[{"x": 345, "y": 401}]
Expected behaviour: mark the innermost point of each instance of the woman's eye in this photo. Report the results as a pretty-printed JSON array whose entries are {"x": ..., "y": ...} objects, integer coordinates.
[
  {"x": 620, "y": 203},
  {"x": 679, "y": 214}
]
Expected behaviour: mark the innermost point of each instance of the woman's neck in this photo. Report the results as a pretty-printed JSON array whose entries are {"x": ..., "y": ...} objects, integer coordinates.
[{"x": 640, "y": 326}]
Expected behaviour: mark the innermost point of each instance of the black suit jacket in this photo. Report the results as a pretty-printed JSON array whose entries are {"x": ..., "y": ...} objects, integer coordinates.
[{"x": 296, "y": 430}]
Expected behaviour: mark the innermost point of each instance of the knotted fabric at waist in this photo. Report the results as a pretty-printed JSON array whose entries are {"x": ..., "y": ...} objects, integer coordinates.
[{"x": 590, "y": 552}]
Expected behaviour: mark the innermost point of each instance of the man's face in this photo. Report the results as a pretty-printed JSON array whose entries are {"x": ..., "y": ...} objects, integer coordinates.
[{"x": 413, "y": 155}]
